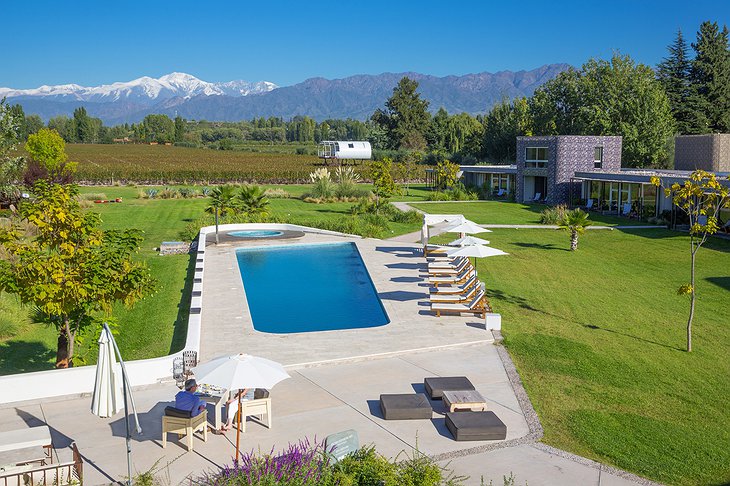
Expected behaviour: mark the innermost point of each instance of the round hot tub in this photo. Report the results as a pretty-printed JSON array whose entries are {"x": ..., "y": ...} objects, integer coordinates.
[{"x": 255, "y": 233}]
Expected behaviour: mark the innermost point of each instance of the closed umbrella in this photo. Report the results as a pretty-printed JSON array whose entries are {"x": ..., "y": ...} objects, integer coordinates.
[
  {"x": 106, "y": 400},
  {"x": 240, "y": 371},
  {"x": 468, "y": 241}
]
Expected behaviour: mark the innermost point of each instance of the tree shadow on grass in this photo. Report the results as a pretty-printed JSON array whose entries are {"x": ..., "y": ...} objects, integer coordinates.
[
  {"x": 180, "y": 332},
  {"x": 722, "y": 282},
  {"x": 25, "y": 356},
  {"x": 541, "y": 246}
]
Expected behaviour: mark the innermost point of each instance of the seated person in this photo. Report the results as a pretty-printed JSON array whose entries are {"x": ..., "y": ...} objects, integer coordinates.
[
  {"x": 232, "y": 405},
  {"x": 188, "y": 400}
]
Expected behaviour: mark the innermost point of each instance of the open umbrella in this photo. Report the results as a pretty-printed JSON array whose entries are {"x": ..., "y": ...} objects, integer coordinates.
[
  {"x": 466, "y": 226},
  {"x": 106, "y": 400},
  {"x": 240, "y": 371},
  {"x": 468, "y": 241},
  {"x": 476, "y": 251}
]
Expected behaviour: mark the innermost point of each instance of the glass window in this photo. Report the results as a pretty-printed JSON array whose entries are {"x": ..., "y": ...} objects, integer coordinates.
[
  {"x": 597, "y": 157},
  {"x": 536, "y": 156}
]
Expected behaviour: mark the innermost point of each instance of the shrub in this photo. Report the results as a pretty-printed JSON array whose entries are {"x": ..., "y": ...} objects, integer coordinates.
[
  {"x": 150, "y": 193},
  {"x": 277, "y": 193},
  {"x": 168, "y": 193},
  {"x": 553, "y": 215},
  {"x": 92, "y": 196},
  {"x": 187, "y": 192},
  {"x": 365, "y": 467}
]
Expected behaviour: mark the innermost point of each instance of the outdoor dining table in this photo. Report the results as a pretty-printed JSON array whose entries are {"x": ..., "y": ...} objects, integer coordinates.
[{"x": 216, "y": 396}]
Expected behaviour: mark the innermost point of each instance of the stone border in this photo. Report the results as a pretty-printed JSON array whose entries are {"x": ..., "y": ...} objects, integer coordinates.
[{"x": 536, "y": 431}]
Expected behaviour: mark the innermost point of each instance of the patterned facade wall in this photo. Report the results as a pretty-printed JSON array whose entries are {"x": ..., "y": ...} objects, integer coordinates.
[
  {"x": 721, "y": 148},
  {"x": 567, "y": 154},
  {"x": 693, "y": 152}
]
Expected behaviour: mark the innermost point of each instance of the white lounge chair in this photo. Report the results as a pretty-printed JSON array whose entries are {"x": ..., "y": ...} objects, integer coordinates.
[
  {"x": 452, "y": 280},
  {"x": 450, "y": 263},
  {"x": 454, "y": 298},
  {"x": 436, "y": 250},
  {"x": 537, "y": 197},
  {"x": 466, "y": 264},
  {"x": 472, "y": 281},
  {"x": 478, "y": 306}
]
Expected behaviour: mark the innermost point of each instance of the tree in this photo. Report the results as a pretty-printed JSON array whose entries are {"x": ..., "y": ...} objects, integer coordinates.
[
  {"x": 406, "y": 117},
  {"x": 673, "y": 74},
  {"x": 221, "y": 202},
  {"x": 48, "y": 159},
  {"x": 710, "y": 78},
  {"x": 701, "y": 198},
  {"x": 253, "y": 200},
  {"x": 408, "y": 168},
  {"x": 159, "y": 128},
  {"x": 447, "y": 173},
  {"x": 69, "y": 268},
  {"x": 64, "y": 126},
  {"x": 502, "y": 125},
  {"x": 575, "y": 222},
  {"x": 11, "y": 167},
  {"x": 180, "y": 129},
  {"x": 383, "y": 183},
  {"x": 83, "y": 128}
]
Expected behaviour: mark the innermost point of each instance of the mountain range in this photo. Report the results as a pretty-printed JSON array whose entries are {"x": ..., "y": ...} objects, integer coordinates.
[{"x": 352, "y": 97}]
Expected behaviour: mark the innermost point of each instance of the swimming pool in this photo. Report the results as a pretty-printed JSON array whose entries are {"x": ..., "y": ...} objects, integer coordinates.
[
  {"x": 304, "y": 288},
  {"x": 255, "y": 233}
]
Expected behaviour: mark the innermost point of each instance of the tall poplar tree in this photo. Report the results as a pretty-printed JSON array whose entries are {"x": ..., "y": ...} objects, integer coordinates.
[
  {"x": 710, "y": 76},
  {"x": 406, "y": 117}
]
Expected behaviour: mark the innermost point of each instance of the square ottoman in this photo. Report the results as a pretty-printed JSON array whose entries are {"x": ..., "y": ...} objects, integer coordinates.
[
  {"x": 475, "y": 426},
  {"x": 436, "y": 385},
  {"x": 405, "y": 406}
]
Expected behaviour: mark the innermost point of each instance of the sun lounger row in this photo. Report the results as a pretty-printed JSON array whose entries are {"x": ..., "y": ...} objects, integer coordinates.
[{"x": 456, "y": 288}]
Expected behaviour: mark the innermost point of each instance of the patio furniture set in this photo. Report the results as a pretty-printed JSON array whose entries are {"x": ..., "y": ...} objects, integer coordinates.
[{"x": 467, "y": 418}]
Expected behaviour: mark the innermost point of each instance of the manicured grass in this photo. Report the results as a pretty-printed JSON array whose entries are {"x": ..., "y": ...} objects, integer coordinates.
[
  {"x": 598, "y": 337},
  {"x": 499, "y": 212},
  {"x": 157, "y": 325}
]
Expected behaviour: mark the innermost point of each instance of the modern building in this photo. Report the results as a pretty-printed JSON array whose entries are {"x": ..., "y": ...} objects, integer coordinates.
[{"x": 586, "y": 171}]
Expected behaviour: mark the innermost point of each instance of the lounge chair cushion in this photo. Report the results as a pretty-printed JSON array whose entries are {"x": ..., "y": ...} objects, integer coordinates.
[
  {"x": 436, "y": 385},
  {"x": 176, "y": 412},
  {"x": 259, "y": 393},
  {"x": 475, "y": 426},
  {"x": 405, "y": 406}
]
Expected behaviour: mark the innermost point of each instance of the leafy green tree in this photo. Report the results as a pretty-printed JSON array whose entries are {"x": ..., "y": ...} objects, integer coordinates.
[
  {"x": 48, "y": 159},
  {"x": 447, "y": 174},
  {"x": 32, "y": 124},
  {"x": 701, "y": 198},
  {"x": 710, "y": 77},
  {"x": 406, "y": 117},
  {"x": 11, "y": 166},
  {"x": 575, "y": 222},
  {"x": 222, "y": 201},
  {"x": 436, "y": 134},
  {"x": 463, "y": 134},
  {"x": 380, "y": 171},
  {"x": 68, "y": 268},
  {"x": 408, "y": 168},
  {"x": 616, "y": 97},
  {"x": 83, "y": 127},
  {"x": 252, "y": 200},
  {"x": 64, "y": 126},
  {"x": 180, "y": 129},
  {"x": 158, "y": 128},
  {"x": 502, "y": 125},
  {"x": 673, "y": 74}
]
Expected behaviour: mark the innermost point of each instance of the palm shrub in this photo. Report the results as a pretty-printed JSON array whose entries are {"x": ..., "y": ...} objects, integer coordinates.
[
  {"x": 222, "y": 201},
  {"x": 253, "y": 200},
  {"x": 575, "y": 222}
]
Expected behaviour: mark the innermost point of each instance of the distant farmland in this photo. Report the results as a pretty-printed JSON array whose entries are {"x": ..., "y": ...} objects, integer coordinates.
[{"x": 159, "y": 164}]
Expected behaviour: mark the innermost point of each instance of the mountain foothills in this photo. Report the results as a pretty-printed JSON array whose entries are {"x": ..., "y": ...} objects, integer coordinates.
[{"x": 352, "y": 97}]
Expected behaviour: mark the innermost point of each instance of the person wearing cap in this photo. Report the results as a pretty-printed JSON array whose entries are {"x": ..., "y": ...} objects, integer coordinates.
[{"x": 188, "y": 400}]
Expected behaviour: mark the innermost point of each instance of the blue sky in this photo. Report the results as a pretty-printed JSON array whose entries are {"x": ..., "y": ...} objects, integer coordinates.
[{"x": 285, "y": 42}]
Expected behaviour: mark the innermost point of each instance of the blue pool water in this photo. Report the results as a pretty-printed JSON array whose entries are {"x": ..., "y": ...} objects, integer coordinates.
[
  {"x": 255, "y": 233},
  {"x": 303, "y": 288}
]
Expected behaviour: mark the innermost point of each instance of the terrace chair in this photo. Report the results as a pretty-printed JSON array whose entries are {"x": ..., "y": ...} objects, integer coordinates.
[
  {"x": 459, "y": 298},
  {"x": 538, "y": 196},
  {"x": 180, "y": 422},
  {"x": 501, "y": 193},
  {"x": 450, "y": 270},
  {"x": 446, "y": 263},
  {"x": 589, "y": 204},
  {"x": 459, "y": 289},
  {"x": 477, "y": 306},
  {"x": 436, "y": 250},
  {"x": 454, "y": 279},
  {"x": 626, "y": 209}
]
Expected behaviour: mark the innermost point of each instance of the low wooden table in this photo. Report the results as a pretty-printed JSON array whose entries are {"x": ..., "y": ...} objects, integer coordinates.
[{"x": 456, "y": 400}]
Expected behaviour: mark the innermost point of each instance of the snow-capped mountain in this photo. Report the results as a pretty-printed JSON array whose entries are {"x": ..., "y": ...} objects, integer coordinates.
[{"x": 144, "y": 90}]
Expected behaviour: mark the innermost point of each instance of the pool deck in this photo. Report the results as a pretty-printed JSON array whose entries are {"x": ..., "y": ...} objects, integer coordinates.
[
  {"x": 398, "y": 272},
  {"x": 336, "y": 381}
]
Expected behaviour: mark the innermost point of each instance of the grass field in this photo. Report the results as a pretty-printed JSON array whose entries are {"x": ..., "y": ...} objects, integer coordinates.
[
  {"x": 598, "y": 338},
  {"x": 497, "y": 212}
]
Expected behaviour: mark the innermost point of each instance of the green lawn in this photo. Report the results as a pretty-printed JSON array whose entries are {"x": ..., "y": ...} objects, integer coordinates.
[
  {"x": 27, "y": 346},
  {"x": 598, "y": 337},
  {"x": 499, "y": 212}
]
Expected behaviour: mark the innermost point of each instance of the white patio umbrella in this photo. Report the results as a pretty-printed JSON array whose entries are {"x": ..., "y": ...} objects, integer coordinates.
[
  {"x": 476, "y": 251},
  {"x": 111, "y": 392},
  {"x": 240, "y": 371},
  {"x": 466, "y": 226},
  {"x": 468, "y": 241}
]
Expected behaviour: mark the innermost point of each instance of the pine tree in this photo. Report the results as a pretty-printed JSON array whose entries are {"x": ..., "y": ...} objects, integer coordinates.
[
  {"x": 710, "y": 77},
  {"x": 673, "y": 74}
]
